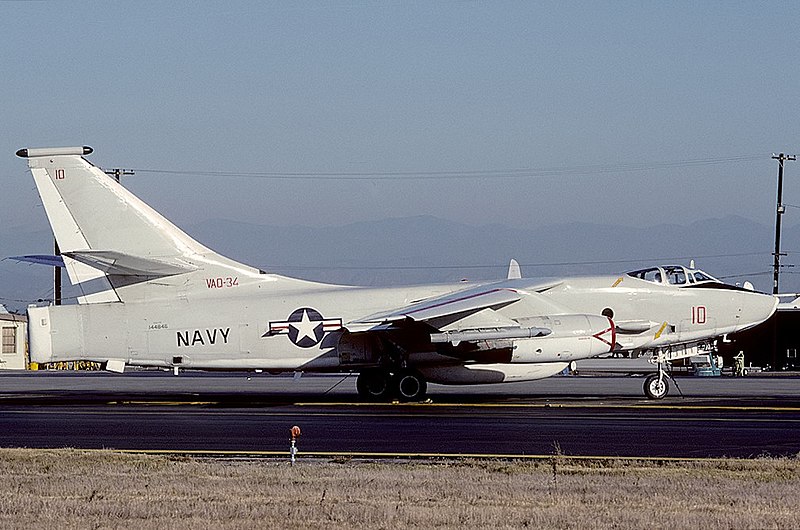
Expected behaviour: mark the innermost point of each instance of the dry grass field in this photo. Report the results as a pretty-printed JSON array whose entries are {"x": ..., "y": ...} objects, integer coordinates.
[{"x": 80, "y": 489}]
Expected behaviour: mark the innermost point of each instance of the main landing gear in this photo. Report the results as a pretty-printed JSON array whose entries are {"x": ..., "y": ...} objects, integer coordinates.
[{"x": 379, "y": 384}]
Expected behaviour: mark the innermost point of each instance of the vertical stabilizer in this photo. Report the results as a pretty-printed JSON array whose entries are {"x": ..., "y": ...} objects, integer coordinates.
[{"x": 108, "y": 235}]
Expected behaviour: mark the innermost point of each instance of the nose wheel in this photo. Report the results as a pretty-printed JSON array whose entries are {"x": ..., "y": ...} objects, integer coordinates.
[{"x": 656, "y": 386}]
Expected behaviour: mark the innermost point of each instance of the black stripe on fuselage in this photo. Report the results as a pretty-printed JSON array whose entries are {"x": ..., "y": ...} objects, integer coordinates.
[{"x": 722, "y": 286}]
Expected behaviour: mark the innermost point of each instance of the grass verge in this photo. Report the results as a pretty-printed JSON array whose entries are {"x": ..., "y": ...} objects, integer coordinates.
[{"x": 104, "y": 489}]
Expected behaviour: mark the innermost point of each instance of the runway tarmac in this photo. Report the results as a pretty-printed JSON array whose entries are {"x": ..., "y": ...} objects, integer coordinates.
[{"x": 231, "y": 413}]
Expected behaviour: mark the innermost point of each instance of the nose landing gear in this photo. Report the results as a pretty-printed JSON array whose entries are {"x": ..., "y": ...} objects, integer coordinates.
[{"x": 656, "y": 386}]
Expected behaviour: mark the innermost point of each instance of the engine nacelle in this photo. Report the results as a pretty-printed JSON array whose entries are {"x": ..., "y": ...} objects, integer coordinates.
[{"x": 573, "y": 337}]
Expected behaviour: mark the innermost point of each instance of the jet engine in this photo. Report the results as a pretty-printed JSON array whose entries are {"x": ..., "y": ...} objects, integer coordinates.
[
  {"x": 572, "y": 337},
  {"x": 560, "y": 338}
]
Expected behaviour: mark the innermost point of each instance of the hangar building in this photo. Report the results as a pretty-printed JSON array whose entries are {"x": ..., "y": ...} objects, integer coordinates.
[
  {"x": 773, "y": 345},
  {"x": 13, "y": 341}
]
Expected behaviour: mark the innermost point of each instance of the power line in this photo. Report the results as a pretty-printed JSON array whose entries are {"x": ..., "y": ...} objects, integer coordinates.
[
  {"x": 745, "y": 275},
  {"x": 506, "y": 173},
  {"x": 486, "y": 266},
  {"x": 29, "y": 300},
  {"x": 543, "y": 264}
]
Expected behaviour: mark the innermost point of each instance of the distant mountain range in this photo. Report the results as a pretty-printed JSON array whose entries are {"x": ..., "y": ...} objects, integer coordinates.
[{"x": 428, "y": 249}]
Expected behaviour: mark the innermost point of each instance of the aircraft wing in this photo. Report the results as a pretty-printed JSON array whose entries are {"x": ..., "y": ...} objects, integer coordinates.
[
  {"x": 475, "y": 308},
  {"x": 451, "y": 307}
]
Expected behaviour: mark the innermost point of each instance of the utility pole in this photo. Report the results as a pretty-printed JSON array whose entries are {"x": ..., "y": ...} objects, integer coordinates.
[
  {"x": 781, "y": 158},
  {"x": 117, "y": 173},
  {"x": 56, "y": 276}
]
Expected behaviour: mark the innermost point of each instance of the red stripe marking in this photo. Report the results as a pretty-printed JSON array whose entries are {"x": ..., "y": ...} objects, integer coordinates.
[{"x": 613, "y": 330}]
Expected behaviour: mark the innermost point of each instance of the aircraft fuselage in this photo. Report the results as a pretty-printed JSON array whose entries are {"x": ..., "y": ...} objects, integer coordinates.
[{"x": 244, "y": 327}]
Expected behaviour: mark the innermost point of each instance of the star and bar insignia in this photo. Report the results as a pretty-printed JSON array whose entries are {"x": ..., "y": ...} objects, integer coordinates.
[{"x": 305, "y": 326}]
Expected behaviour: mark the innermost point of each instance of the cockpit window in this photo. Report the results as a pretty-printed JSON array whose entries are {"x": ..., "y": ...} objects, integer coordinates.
[
  {"x": 651, "y": 275},
  {"x": 702, "y": 277},
  {"x": 675, "y": 275}
]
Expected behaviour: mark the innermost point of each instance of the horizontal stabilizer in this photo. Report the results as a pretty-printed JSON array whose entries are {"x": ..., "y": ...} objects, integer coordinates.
[
  {"x": 118, "y": 263},
  {"x": 41, "y": 259}
]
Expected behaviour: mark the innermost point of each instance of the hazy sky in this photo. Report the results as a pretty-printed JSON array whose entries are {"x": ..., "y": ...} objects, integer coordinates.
[{"x": 634, "y": 90}]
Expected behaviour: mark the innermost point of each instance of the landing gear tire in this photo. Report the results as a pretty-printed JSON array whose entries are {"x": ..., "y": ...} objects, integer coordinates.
[
  {"x": 410, "y": 385},
  {"x": 374, "y": 385},
  {"x": 655, "y": 388}
]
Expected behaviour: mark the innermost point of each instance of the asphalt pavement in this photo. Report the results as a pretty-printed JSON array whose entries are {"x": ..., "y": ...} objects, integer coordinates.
[{"x": 252, "y": 414}]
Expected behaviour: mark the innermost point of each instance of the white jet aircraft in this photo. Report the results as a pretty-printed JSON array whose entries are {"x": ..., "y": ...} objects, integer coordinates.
[{"x": 153, "y": 296}]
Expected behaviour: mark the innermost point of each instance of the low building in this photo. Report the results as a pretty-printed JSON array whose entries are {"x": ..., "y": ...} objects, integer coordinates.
[
  {"x": 13, "y": 341},
  {"x": 772, "y": 345}
]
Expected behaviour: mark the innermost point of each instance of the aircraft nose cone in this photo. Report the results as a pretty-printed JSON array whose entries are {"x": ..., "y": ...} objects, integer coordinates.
[{"x": 756, "y": 308}]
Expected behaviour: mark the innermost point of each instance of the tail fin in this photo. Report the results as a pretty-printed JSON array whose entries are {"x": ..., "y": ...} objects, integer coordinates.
[{"x": 110, "y": 239}]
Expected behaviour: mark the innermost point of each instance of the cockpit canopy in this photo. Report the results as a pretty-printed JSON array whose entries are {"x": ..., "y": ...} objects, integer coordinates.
[{"x": 673, "y": 275}]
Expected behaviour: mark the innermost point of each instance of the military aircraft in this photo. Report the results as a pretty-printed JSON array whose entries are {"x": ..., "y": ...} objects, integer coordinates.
[{"x": 150, "y": 295}]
